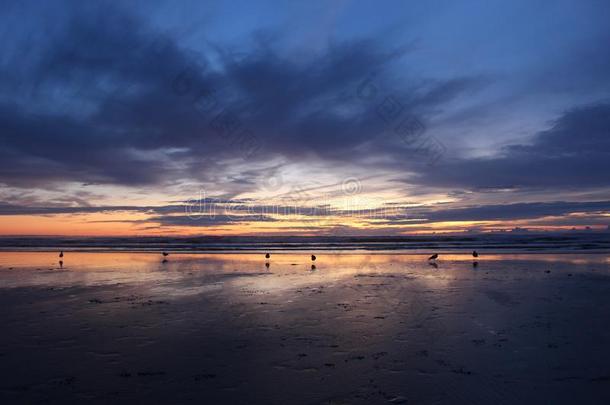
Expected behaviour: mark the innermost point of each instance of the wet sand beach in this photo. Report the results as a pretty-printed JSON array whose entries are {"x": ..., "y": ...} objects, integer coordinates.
[{"x": 360, "y": 328}]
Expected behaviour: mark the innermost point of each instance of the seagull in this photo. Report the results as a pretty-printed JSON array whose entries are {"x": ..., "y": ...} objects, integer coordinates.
[
  {"x": 61, "y": 254},
  {"x": 165, "y": 254},
  {"x": 475, "y": 254},
  {"x": 267, "y": 256},
  {"x": 433, "y": 257},
  {"x": 313, "y": 258}
]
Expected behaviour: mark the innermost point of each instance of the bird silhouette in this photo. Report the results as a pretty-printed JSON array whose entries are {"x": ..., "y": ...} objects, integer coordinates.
[
  {"x": 313, "y": 258},
  {"x": 165, "y": 254},
  {"x": 475, "y": 254},
  {"x": 433, "y": 257},
  {"x": 267, "y": 256},
  {"x": 61, "y": 254}
]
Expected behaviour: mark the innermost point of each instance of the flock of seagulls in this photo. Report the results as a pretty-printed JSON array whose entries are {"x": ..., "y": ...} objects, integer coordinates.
[
  {"x": 475, "y": 254},
  {"x": 313, "y": 257},
  {"x": 268, "y": 256},
  {"x": 431, "y": 259}
]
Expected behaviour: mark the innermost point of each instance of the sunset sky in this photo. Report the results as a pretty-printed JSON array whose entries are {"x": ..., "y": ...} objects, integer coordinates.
[{"x": 303, "y": 118}]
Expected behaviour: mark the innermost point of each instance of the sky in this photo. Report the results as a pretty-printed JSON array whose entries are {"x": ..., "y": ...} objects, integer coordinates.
[{"x": 303, "y": 118}]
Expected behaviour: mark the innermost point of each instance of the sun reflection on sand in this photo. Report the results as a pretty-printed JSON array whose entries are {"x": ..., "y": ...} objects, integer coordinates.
[{"x": 286, "y": 269}]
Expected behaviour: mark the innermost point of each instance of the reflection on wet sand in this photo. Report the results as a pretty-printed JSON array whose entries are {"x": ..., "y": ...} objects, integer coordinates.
[{"x": 353, "y": 328}]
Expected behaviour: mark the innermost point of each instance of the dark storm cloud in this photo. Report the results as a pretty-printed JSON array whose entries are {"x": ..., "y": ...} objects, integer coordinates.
[
  {"x": 192, "y": 208},
  {"x": 13, "y": 209},
  {"x": 501, "y": 212},
  {"x": 573, "y": 152},
  {"x": 106, "y": 99},
  {"x": 206, "y": 221},
  {"x": 42, "y": 148}
]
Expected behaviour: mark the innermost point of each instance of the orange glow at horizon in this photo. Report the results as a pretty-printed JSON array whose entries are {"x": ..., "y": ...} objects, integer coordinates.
[{"x": 140, "y": 224}]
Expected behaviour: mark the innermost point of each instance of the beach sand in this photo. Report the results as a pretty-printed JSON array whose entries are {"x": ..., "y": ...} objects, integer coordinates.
[{"x": 359, "y": 328}]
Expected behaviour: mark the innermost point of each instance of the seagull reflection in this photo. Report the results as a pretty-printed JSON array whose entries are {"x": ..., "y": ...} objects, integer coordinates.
[
  {"x": 433, "y": 264},
  {"x": 313, "y": 267},
  {"x": 267, "y": 265},
  {"x": 61, "y": 264}
]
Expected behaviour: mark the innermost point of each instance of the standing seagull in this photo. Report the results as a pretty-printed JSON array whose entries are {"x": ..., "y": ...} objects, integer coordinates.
[
  {"x": 433, "y": 257},
  {"x": 165, "y": 254},
  {"x": 313, "y": 258},
  {"x": 475, "y": 254},
  {"x": 61, "y": 254},
  {"x": 267, "y": 256}
]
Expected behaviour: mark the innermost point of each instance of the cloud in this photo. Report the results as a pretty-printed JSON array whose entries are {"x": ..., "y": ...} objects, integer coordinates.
[
  {"x": 207, "y": 221},
  {"x": 574, "y": 152},
  {"x": 12, "y": 209},
  {"x": 504, "y": 212},
  {"x": 109, "y": 100}
]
